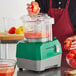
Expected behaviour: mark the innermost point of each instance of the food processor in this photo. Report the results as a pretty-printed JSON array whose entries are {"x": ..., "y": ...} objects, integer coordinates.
[{"x": 39, "y": 50}]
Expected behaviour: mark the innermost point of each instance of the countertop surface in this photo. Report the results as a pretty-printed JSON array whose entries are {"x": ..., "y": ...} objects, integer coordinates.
[
  {"x": 49, "y": 72},
  {"x": 6, "y": 36}
]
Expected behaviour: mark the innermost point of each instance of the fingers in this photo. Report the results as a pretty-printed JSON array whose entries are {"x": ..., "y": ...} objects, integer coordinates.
[
  {"x": 73, "y": 45},
  {"x": 73, "y": 38},
  {"x": 33, "y": 9},
  {"x": 29, "y": 5},
  {"x": 73, "y": 48},
  {"x": 29, "y": 9},
  {"x": 71, "y": 72}
]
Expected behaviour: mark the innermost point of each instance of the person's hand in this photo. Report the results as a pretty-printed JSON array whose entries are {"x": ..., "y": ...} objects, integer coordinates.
[
  {"x": 73, "y": 45},
  {"x": 33, "y": 8},
  {"x": 70, "y": 72},
  {"x": 29, "y": 10}
]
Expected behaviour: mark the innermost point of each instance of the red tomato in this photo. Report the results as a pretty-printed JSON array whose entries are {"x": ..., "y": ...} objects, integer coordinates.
[
  {"x": 6, "y": 72},
  {"x": 35, "y": 10},
  {"x": 68, "y": 43},
  {"x": 33, "y": 3},
  {"x": 35, "y": 7},
  {"x": 75, "y": 56},
  {"x": 72, "y": 62},
  {"x": 12, "y": 30},
  {"x": 70, "y": 56},
  {"x": 73, "y": 51}
]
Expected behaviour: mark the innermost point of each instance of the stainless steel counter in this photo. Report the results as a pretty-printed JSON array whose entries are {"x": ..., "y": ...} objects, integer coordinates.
[
  {"x": 49, "y": 72},
  {"x": 53, "y": 72}
]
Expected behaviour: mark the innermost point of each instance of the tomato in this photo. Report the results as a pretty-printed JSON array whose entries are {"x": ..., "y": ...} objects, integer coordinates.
[
  {"x": 35, "y": 7},
  {"x": 35, "y": 10},
  {"x": 70, "y": 56},
  {"x": 36, "y": 35},
  {"x": 68, "y": 43},
  {"x": 6, "y": 71},
  {"x": 73, "y": 51},
  {"x": 72, "y": 62},
  {"x": 12, "y": 30},
  {"x": 33, "y": 3}
]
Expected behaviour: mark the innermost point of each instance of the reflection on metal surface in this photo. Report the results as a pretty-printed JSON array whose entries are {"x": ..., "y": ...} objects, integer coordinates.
[{"x": 50, "y": 72}]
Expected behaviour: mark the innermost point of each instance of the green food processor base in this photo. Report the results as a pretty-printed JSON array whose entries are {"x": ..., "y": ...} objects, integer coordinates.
[{"x": 38, "y": 56}]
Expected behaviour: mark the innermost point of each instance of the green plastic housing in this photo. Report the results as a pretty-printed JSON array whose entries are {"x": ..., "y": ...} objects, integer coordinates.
[{"x": 38, "y": 50}]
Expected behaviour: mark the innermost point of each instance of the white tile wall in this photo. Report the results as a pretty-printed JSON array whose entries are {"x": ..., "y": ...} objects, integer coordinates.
[{"x": 10, "y": 13}]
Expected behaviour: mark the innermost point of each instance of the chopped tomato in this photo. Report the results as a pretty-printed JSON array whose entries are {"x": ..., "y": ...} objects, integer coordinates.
[
  {"x": 35, "y": 10},
  {"x": 68, "y": 43},
  {"x": 6, "y": 71},
  {"x": 72, "y": 62},
  {"x": 36, "y": 35},
  {"x": 35, "y": 7},
  {"x": 70, "y": 56},
  {"x": 73, "y": 51},
  {"x": 33, "y": 3}
]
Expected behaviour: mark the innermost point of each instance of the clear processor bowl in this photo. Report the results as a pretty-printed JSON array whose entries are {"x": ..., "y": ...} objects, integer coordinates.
[
  {"x": 38, "y": 29},
  {"x": 7, "y": 67}
]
